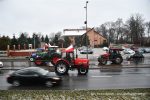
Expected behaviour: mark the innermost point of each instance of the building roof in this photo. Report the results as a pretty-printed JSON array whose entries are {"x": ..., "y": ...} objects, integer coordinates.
[
  {"x": 73, "y": 32},
  {"x": 78, "y": 32}
]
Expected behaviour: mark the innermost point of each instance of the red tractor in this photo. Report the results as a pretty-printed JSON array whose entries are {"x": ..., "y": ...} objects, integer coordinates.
[
  {"x": 113, "y": 55},
  {"x": 70, "y": 62}
]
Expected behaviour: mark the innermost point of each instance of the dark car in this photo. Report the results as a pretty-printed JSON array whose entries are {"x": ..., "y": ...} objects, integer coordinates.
[
  {"x": 136, "y": 56},
  {"x": 34, "y": 76},
  {"x": 146, "y": 50},
  {"x": 86, "y": 51}
]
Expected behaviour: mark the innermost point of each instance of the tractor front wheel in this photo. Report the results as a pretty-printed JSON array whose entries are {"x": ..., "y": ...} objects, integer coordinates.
[
  {"x": 61, "y": 68},
  {"x": 103, "y": 61},
  {"x": 82, "y": 71}
]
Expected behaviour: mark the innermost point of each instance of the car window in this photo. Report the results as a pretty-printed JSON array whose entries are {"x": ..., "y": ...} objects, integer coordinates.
[
  {"x": 22, "y": 72},
  {"x": 27, "y": 73},
  {"x": 42, "y": 71}
]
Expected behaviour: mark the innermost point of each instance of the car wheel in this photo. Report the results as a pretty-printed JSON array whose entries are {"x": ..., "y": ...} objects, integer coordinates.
[
  {"x": 82, "y": 71},
  {"x": 16, "y": 83},
  {"x": 48, "y": 83},
  {"x": 61, "y": 68}
]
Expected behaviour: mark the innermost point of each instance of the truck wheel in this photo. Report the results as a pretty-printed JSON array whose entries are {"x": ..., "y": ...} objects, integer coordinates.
[
  {"x": 38, "y": 61},
  {"x": 118, "y": 60},
  {"x": 82, "y": 71},
  {"x": 61, "y": 68}
]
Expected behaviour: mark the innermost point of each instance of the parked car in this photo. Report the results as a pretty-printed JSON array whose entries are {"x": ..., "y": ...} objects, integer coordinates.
[
  {"x": 146, "y": 50},
  {"x": 141, "y": 50},
  {"x": 86, "y": 51},
  {"x": 33, "y": 75},
  {"x": 81, "y": 48},
  {"x": 128, "y": 51},
  {"x": 1, "y": 64}
]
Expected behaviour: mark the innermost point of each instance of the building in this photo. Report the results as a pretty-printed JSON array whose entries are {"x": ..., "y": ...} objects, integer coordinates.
[{"x": 95, "y": 38}]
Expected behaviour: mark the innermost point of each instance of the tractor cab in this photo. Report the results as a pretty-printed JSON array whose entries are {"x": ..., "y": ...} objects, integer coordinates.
[
  {"x": 114, "y": 52},
  {"x": 69, "y": 56}
]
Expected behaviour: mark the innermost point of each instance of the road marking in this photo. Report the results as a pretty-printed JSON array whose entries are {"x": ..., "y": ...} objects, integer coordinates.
[{"x": 101, "y": 76}]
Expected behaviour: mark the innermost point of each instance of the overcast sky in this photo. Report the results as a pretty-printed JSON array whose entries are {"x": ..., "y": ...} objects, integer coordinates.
[{"x": 51, "y": 16}]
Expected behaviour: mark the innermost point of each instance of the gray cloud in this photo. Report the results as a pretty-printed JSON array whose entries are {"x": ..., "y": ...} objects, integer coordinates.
[{"x": 49, "y": 16}]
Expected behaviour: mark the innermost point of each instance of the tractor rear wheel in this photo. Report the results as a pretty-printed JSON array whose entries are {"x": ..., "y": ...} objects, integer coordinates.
[
  {"x": 82, "y": 71},
  {"x": 118, "y": 60},
  {"x": 38, "y": 61},
  {"x": 61, "y": 68}
]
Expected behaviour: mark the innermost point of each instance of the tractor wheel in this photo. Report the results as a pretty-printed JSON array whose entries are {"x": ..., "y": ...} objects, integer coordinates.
[
  {"x": 61, "y": 68},
  {"x": 31, "y": 59},
  {"x": 38, "y": 61},
  {"x": 103, "y": 61},
  {"x": 82, "y": 71},
  {"x": 118, "y": 60}
]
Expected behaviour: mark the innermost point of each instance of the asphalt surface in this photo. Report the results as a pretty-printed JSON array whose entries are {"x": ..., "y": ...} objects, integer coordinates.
[{"x": 104, "y": 78}]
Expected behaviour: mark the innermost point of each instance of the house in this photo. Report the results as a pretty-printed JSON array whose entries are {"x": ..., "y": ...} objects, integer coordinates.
[{"x": 95, "y": 38}]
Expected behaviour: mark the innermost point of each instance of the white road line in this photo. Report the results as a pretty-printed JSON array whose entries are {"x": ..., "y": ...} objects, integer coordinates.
[{"x": 101, "y": 76}]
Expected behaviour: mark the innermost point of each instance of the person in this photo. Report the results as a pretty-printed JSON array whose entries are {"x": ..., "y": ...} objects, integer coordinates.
[{"x": 68, "y": 57}]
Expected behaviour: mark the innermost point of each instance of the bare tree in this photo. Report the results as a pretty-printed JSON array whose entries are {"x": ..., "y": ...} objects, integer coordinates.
[
  {"x": 136, "y": 28},
  {"x": 102, "y": 30},
  {"x": 148, "y": 32},
  {"x": 119, "y": 30}
]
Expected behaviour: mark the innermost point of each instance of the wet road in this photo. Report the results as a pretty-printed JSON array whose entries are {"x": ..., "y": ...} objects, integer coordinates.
[{"x": 103, "y": 78}]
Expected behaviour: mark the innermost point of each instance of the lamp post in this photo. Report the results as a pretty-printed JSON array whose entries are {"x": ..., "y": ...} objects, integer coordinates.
[
  {"x": 86, "y": 29},
  {"x": 34, "y": 40}
]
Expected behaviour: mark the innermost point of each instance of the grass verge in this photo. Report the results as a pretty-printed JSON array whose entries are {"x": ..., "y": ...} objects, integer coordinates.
[{"x": 111, "y": 94}]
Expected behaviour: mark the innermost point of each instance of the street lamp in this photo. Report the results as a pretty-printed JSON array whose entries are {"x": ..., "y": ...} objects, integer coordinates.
[
  {"x": 86, "y": 28},
  {"x": 34, "y": 40}
]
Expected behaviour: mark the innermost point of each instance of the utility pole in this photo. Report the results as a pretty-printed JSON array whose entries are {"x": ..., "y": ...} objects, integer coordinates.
[
  {"x": 34, "y": 39},
  {"x": 86, "y": 29}
]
